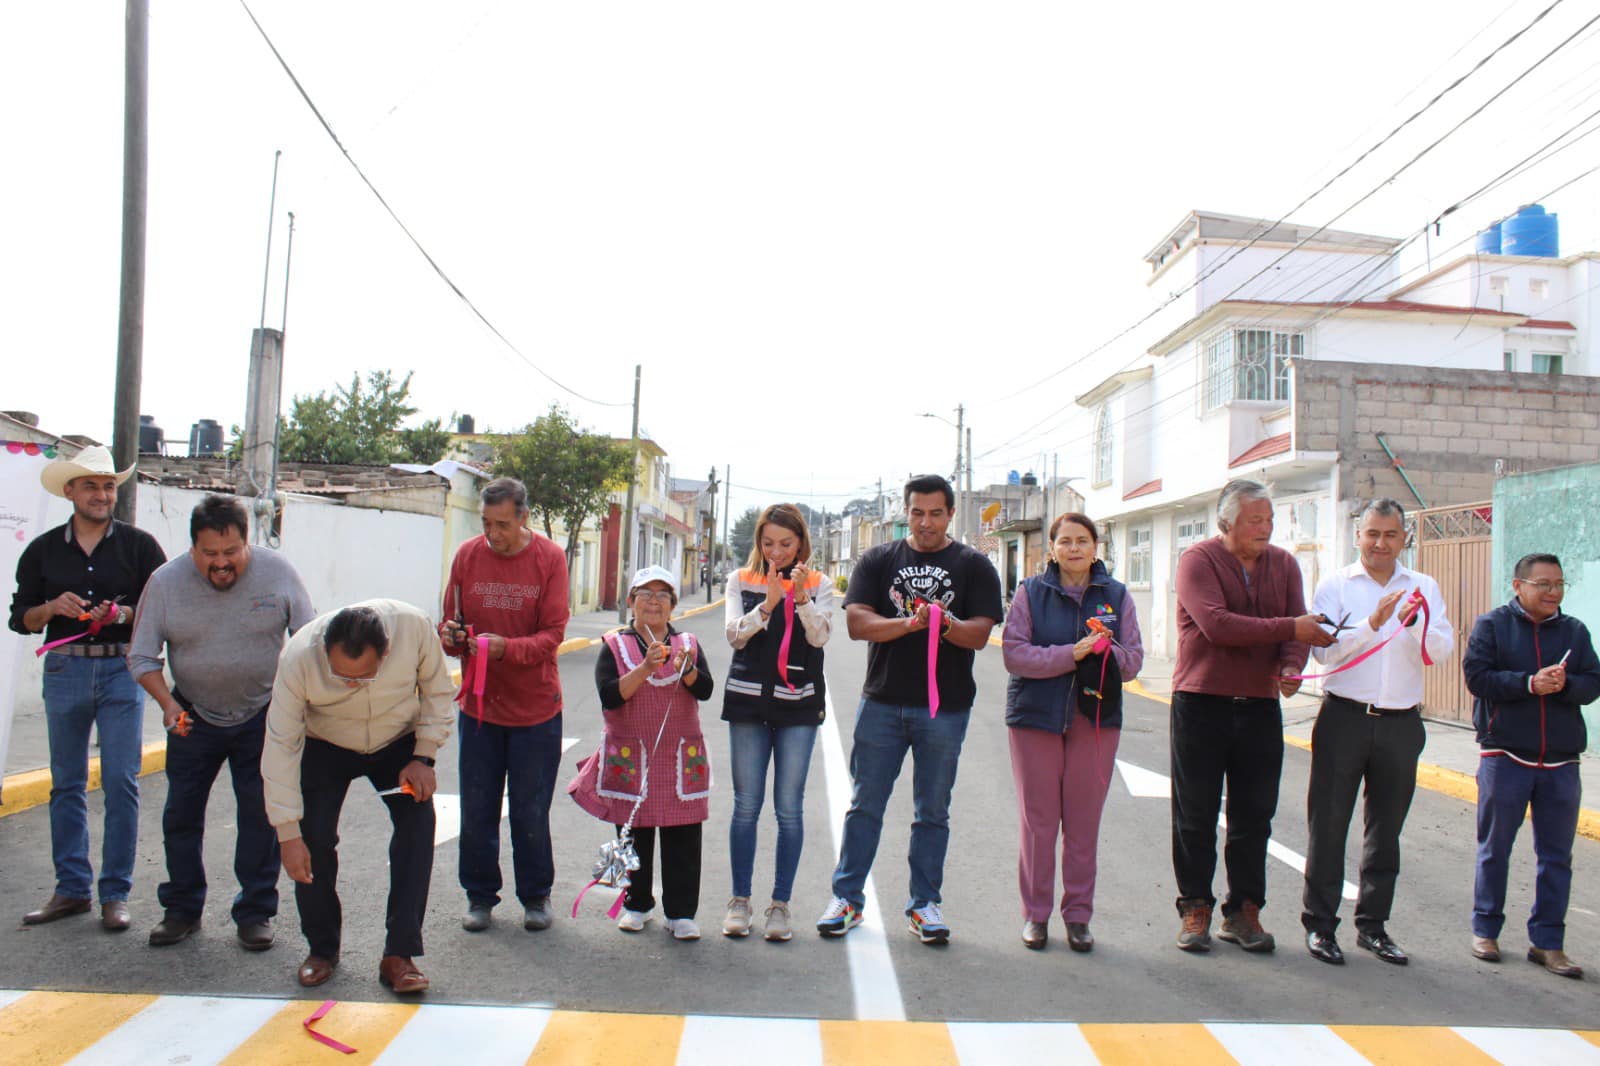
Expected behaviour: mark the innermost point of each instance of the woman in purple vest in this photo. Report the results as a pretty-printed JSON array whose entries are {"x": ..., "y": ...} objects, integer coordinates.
[{"x": 1071, "y": 641}]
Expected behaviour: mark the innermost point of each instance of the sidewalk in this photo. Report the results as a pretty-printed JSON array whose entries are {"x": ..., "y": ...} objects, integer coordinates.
[{"x": 1449, "y": 761}]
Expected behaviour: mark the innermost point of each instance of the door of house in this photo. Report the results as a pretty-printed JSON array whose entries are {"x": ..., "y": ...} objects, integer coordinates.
[{"x": 1453, "y": 547}]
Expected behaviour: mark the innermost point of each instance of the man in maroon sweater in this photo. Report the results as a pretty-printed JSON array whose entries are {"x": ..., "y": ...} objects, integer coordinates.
[
  {"x": 510, "y": 587},
  {"x": 1242, "y": 631}
]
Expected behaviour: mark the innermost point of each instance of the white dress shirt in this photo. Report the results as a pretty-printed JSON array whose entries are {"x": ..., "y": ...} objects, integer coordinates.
[{"x": 1391, "y": 679}]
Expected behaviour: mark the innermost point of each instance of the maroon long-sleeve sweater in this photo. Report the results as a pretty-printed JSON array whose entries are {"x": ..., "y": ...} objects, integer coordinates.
[{"x": 1236, "y": 637}]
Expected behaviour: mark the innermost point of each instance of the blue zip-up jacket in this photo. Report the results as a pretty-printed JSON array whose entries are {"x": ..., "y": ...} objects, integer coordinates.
[
  {"x": 1506, "y": 649},
  {"x": 1047, "y": 690}
]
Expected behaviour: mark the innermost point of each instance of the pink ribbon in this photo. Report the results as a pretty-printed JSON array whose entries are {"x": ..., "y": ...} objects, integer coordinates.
[
  {"x": 935, "y": 623},
  {"x": 477, "y": 667},
  {"x": 322, "y": 1038},
  {"x": 612, "y": 912},
  {"x": 1415, "y": 603},
  {"x": 783, "y": 644},
  {"x": 94, "y": 627}
]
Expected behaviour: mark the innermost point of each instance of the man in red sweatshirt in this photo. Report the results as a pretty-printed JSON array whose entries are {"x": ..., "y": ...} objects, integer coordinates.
[
  {"x": 508, "y": 590},
  {"x": 1242, "y": 632}
]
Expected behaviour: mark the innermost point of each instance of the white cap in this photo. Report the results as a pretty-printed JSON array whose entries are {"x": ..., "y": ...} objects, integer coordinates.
[{"x": 648, "y": 574}]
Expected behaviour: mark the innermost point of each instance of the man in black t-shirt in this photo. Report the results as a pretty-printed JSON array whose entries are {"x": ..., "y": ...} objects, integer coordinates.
[{"x": 891, "y": 601}]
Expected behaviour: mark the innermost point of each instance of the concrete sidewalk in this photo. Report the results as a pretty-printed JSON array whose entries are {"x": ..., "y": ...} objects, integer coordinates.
[{"x": 1449, "y": 761}]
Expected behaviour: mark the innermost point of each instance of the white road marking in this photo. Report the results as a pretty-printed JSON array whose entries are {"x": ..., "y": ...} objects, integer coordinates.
[
  {"x": 439, "y": 1033},
  {"x": 10, "y": 996},
  {"x": 1008, "y": 1043},
  {"x": 1273, "y": 1045},
  {"x": 1531, "y": 1047},
  {"x": 447, "y": 807},
  {"x": 1148, "y": 784},
  {"x": 872, "y": 977},
  {"x": 167, "y": 1031},
  {"x": 734, "y": 1041}
]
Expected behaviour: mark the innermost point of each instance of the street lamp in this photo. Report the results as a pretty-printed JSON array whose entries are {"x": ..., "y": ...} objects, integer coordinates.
[{"x": 959, "y": 428}]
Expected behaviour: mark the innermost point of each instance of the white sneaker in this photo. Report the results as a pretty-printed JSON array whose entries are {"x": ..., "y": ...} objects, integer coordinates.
[
  {"x": 737, "y": 921},
  {"x": 633, "y": 921},
  {"x": 683, "y": 929},
  {"x": 778, "y": 921}
]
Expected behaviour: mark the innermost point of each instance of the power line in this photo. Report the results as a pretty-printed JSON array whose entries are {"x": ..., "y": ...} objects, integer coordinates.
[{"x": 437, "y": 269}]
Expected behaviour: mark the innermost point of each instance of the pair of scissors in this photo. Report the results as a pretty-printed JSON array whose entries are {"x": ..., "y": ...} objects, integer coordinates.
[
  {"x": 466, "y": 635},
  {"x": 1338, "y": 627}
]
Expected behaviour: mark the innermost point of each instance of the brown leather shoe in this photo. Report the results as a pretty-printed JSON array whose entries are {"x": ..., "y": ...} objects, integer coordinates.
[
  {"x": 397, "y": 972},
  {"x": 316, "y": 970},
  {"x": 1555, "y": 960},
  {"x": 1078, "y": 936},
  {"x": 58, "y": 907},
  {"x": 114, "y": 916},
  {"x": 1486, "y": 948}
]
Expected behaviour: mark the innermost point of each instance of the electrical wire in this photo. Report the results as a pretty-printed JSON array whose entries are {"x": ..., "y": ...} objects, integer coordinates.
[{"x": 437, "y": 269}]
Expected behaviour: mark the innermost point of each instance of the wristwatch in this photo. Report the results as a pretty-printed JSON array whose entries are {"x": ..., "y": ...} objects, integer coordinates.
[{"x": 424, "y": 760}]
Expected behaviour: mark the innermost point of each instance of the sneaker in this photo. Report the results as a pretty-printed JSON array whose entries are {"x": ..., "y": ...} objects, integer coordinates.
[
  {"x": 1196, "y": 932},
  {"x": 840, "y": 917},
  {"x": 683, "y": 929},
  {"x": 928, "y": 924},
  {"x": 737, "y": 921},
  {"x": 778, "y": 921},
  {"x": 633, "y": 921},
  {"x": 476, "y": 919},
  {"x": 1244, "y": 928},
  {"x": 537, "y": 916}
]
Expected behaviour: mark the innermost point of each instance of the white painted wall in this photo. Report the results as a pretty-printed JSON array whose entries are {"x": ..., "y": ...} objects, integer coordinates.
[{"x": 1301, "y": 277}]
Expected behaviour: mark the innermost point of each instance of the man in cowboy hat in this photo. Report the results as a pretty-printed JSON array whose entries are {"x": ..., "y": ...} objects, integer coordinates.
[{"x": 81, "y": 582}]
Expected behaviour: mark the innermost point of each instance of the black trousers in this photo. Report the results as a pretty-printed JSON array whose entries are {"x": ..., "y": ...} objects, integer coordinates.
[
  {"x": 1349, "y": 747},
  {"x": 1217, "y": 740},
  {"x": 326, "y": 771},
  {"x": 680, "y": 870}
]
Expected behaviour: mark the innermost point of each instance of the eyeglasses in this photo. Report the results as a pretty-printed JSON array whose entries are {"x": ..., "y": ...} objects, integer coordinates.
[
  {"x": 659, "y": 595},
  {"x": 1546, "y": 585}
]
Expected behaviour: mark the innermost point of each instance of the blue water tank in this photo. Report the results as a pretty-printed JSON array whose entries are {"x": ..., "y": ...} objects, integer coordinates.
[
  {"x": 1530, "y": 232},
  {"x": 1013, "y": 478},
  {"x": 1489, "y": 240}
]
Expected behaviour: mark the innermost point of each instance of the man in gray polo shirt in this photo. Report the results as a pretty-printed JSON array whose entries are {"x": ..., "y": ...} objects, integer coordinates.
[{"x": 221, "y": 615}]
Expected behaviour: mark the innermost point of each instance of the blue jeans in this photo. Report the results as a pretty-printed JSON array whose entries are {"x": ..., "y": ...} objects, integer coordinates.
[
  {"x": 1505, "y": 790},
  {"x": 884, "y": 733},
  {"x": 192, "y": 766},
  {"x": 752, "y": 745},
  {"x": 80, "y": 694},
  {"x": 495, "y": 759}
]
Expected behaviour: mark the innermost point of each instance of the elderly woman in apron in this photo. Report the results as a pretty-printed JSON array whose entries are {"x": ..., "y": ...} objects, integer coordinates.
[{"x": 652, "y": 771}]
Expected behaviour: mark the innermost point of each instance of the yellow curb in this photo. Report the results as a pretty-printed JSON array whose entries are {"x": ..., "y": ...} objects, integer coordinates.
[
  {"x": 1438, "y": 779},
  {"x": 32, "y": 788}
]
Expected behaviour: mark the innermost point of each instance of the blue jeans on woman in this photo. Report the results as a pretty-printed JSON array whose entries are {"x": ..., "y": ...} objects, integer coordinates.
[
  {"x": 79, "y": 695},
  {"x": 752, "y": 745}
]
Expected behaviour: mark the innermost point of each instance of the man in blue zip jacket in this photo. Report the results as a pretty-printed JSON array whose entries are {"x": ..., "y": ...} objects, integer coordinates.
[{"x": 1531, "y": 669}]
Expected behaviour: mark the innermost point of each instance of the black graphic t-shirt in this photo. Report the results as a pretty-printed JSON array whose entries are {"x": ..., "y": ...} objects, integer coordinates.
[{"x": 890, "y": 579}]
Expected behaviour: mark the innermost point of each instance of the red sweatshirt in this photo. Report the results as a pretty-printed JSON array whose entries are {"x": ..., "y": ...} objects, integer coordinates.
[
  {"x": 521, "y": 597},
  {"x": 1234, "y": 638}
]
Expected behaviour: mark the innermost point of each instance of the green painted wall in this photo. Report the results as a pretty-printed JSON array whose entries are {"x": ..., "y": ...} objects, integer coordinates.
[{"x": 1554, "y": 511}]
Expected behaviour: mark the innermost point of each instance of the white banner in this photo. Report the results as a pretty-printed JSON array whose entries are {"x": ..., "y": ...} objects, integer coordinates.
[{"x": 23, "y": 503}]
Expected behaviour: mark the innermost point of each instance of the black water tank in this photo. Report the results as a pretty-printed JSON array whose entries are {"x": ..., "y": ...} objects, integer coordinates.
[
  {"x": 205, "y": 438},
  {"x": 466, "y": 426},
  {"x": 151, "y": 439}
]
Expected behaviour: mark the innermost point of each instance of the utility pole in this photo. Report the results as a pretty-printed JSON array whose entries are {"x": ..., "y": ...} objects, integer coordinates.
[
  {"x": 711, "y": 535},
  {"x": 727, "y": 510},
  {"x": 961, "y": 517},
  {"x": 130, "y": 314},
  {"x": 969, "y": 470},
  {"x": 626, "y": 563}
]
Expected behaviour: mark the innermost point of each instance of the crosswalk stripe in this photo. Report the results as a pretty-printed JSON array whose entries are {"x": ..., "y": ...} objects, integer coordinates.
[
  {"x": 1590, "y": 1035},
  {"x": 1405, "y": 1045},
  {"x": 1008, "y": 1043},
  {"x": 188, "y": 1029},
  {"x": 720, "y": 1041},
  {"x": 1138, "y": 1045},
  {"x": 367, "y": 1027},
  {"x": 1530, "y": 1047},
  {"x": 10, "y": 996},
  {"x": 494, "y": 1035},
  {"x": 887, "y": 1044},
  {"x": 572, "y": 1037},
  {"x": 1270, "y": 1045},
  {"x": 51, "y": 1027}
]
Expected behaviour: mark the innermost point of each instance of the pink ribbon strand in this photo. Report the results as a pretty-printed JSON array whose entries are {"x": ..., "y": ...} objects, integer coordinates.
[
  {"x": 322, "y": 1038},
  {"x": 1416, "y": 602},
  {"x": 935, "y": 623},
  {"x": 783, "y": 643}
]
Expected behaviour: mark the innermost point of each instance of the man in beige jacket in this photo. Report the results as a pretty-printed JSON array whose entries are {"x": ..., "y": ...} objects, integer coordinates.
[{"x": 361, "y": 692}]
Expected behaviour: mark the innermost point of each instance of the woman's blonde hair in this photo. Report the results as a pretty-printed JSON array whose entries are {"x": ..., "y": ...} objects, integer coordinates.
[{"x": 785, "y": 516}]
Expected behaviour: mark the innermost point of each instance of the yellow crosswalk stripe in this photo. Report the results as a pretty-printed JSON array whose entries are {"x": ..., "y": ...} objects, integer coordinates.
[
  {"x": 887, "y": 1044},
  {"x": 367, "y": 1027},
  {"x": 47, "y": 1028},
  {"x": 1138, "y": 1045},
  {"x": 1405, "y": 1045},
  {"x": 577, "y": 1038}
]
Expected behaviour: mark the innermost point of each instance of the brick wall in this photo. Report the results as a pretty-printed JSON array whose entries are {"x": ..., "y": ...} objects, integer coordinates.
[{"x": 1455, "y": 430}]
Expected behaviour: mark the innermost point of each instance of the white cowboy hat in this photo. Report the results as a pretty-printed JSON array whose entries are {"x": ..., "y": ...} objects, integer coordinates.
[{"x": 94, "y": 461}]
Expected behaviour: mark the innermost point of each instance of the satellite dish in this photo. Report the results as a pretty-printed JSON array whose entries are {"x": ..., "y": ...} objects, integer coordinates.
[{"x": 988, "y": 513}]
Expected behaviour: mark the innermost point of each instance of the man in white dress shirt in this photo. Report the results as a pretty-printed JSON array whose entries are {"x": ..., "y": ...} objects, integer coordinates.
[{"x": 1368, "y": 730}]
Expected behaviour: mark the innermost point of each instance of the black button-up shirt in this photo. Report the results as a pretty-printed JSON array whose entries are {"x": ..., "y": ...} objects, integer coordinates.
[{"x": 54, "y": 563}]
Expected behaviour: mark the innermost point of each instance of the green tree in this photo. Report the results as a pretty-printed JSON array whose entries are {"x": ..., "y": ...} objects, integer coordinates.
[
  {"x": 570, "y": 473},
  {"x": 425, "y": 444},
  {"x": 360, "y": 423},
  {"x": 743, "y": 535}
]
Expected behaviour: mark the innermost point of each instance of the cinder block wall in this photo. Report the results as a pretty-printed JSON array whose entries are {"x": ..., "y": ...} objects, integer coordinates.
[{"x": 1451, "y": 428}]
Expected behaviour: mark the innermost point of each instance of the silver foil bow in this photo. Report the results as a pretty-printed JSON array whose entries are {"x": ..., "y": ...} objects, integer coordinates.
[{"x": 617, "y": 861}]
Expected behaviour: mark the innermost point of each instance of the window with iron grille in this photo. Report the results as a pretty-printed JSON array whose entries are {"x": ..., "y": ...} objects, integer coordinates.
[
  {"x": 1102, "y": 445},
  {"x": 1139, "y": 555},
  {"x": 1247, "y": 364}
]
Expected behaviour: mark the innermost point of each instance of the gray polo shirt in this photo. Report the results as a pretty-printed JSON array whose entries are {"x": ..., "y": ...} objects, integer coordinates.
[{"x": 223, "y": 644}]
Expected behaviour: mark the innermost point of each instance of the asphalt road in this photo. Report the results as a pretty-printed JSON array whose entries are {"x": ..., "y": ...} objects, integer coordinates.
[{"x": 1135, "y": 973}]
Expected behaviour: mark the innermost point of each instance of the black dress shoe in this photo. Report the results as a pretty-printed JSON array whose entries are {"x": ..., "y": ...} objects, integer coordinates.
[
  {"x": 1078, "y": 936},
  {"x": 172, "y": 928},
  {"x": 255, "y": 936},
  {"x": 1323, "y": 946},
  {"x": 1380, "y": 945}
]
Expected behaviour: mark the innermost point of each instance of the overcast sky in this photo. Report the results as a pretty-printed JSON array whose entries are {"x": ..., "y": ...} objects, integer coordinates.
[{"x": 808, "y": 223}]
